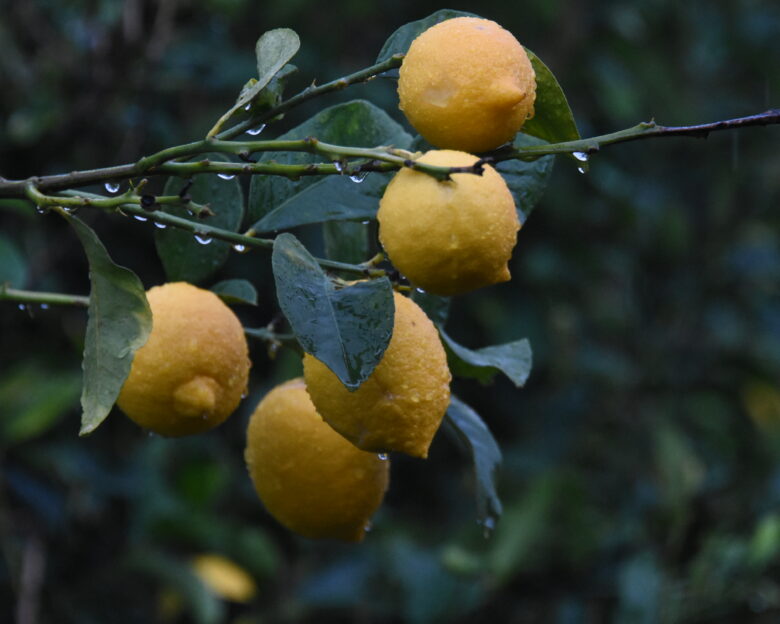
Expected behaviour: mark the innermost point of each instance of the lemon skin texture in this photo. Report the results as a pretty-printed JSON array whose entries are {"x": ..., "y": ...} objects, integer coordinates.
[
  {"x": 467, "y": 84},
  {"x": 312, "y": 480},
  {"x": 192, "y": 371},
  {"x": 449, "y": 237},
  {"x": 401, "y": 404}
]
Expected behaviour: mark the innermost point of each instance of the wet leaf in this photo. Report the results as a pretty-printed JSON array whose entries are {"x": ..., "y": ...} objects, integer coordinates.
[
  {"x": 236, "y": 291},
  {"x": 274, "y": 49},
  {"x": 347, "y": 329},
  {"x": 118, "y": 325},
  {"x": 357, "y": 124},
  {"x": 346, "y": 241},
  {"x": 183, "y": 257},
  {"x": 436, "y": 307},
  {"x": 473, "y": 437},
  {"x": 512, "y": 358},
  {"x": 527, "y": 181},
  {"x": 334, "y": 198},
  {"x": 553, "y": 120}
]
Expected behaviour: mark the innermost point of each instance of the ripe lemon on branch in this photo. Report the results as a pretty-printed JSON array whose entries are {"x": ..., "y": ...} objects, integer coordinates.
[
  {"x": 401, "y": 404},
  {"x": 310, "y": 478},
  {"x": 192, "y": 371},
  {"x": 467, "y": 84},
  {"x": 449, "y": 237}
]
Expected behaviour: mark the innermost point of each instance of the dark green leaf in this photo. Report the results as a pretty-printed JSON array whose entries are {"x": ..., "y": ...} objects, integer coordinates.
[
  {"x": 335, "y": 198},
  {"x": 274, "y": 49},
  {"x": 553, "y": 120},
  {"x": 527, "y": 181},
  {"x": 13, "y": 268},
  {"x": 347, "y": 329},
  {"x": 436, "y": 307},
  {"x": 346, "y": 241},
  {"x": 118, "y": 325},
  {"x": 401, "y": 39},
  {"x": 183, "y": 257},
  {"x": 513, "y": 359},
  {"x": 236, "y": 291},
  {"x": 468, "y": 430},
  {"x": 357, "y": 124}
]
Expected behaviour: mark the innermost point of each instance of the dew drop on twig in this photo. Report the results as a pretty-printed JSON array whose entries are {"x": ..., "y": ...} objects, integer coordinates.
[
  {"x": 256, "y": 131},
  {"x": 140, "y": 218},
  {"x": 162, "y": 226},
  {"x": 239, "y": 248},
  {"x": 382, "y": 456},
  {"x": 227, "y": 176},
  {"x": 358, "y": 177},
  {"x": 111, "y": 187},
  {"x": 339, "y": 166},
  {"x": 581, "y": 156},
  {"x": 203, "y": 239}
]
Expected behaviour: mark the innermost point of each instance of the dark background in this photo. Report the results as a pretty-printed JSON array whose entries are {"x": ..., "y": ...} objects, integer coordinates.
[{"x": 641, "y": 479}]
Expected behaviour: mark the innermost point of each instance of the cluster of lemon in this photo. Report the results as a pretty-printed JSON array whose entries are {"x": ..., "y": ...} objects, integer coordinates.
[{"x": 316, "y": 452}]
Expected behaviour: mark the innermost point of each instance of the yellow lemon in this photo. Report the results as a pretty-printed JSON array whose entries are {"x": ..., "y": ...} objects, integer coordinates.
[
  {"x": 449, "y": 237},
  {"x": 310, "y": 478},
  {"x": 467, "y": 84},
  {"x": 192, "y": 371},
  {"x": 401, "y": 404}
]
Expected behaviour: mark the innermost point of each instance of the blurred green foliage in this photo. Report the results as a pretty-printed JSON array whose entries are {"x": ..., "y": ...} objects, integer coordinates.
[{"x": 641, "y": 480}]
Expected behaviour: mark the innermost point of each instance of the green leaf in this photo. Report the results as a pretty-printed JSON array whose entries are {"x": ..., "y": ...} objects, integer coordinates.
[
  {"x": 118, "y": 325},
  {"x": 471, "y": 434},
  {"x": 274, "y": 49},
  {"x": 236, "y": 291},
  {"x": 346, "y": 241},
  {"x": 512, "y": 358},
  {"x": 335, "y": 198},
  {"x": 401, "y": 39},
  {"x": 13, "y": 268},
  {"x": 553, "y": 120},
  {"x": 183, "y": 257},
  {"x": 347, "y": 329},
  {"x": 356, "y": 124},
  {"x": 436, "y": 307},
  {"x": 527, "y": 181}
]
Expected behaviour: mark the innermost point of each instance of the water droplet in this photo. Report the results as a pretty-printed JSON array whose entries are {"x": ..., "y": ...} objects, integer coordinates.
[
  {"x": 582, "y": 170},
  {"x": 21, "y": 306},
  {"x": 256, "y": 131},
  {"x": 111, "y": 187},
  {"x": 382, "y": 456},
  {"x": 358, "y": 177},
  {"x": 244, "y": 394},
  {"x": 227, "y": 176},
  {"x": 339, "y": 166},
  {"x": 162, "y": 226},
  {"x": 419, "y": 290},
  {"x": 369, "y": 525},
  {"x": 248, "y": 107},
  {"x": 140, "y": 218},
  {"x": 366, "y": 222},
  {"x": 581, "y": 156},
  {"x": 44, "y": 306},
  {"x": 202, "y": 238},
  {"x": 41, "y": 209},
  {"x": 488, "y": 526},
  {"x": 239, "y": 248}
]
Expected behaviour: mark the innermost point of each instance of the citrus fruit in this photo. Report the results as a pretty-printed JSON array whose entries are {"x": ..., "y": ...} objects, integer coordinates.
[
  {"x": 453, "y": 236},
  {"x": 467, "y": 84},
  {"x": 193, "y": 369},
  {"x": 401, "y": 404},
  {"x": 309, "y": 478}
]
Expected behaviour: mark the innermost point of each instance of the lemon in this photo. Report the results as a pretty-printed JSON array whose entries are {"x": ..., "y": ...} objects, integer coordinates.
[
  {"x": 310, "y": 478},
  {"x": 467, "y": 84},
  {"x": 193, "y": 369},
  {"x": 449, "y": 237},
  {"x": 401, "y": 404}
]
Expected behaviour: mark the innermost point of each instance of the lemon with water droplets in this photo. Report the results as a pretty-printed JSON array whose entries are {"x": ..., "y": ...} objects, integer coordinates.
[
  {"x": 192, "y": 371},
  {"x": 401, "y": 404},
  {"x": 310, "y": 478},
  {"x": 467, "y": 84},
  {"x": 449, "y": 237}
]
